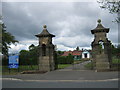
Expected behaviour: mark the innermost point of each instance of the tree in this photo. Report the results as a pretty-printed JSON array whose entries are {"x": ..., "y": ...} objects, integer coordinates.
[
  {"x": 29, "y": 57},
  {"x": 33, "y": 54},
  {"x": 77, "y": 48},
  {"x": 7, "y": 40},
  {"x": 24, "y": 57},
  {"x": 65, "y": 59},
  {"x": 70, "y": 59},
  {"x": 115, "y": 51},
  {"x": 32, "y": 46},
  {"x": 59, "y": 53},
  {"x": 113, "y": 7}
]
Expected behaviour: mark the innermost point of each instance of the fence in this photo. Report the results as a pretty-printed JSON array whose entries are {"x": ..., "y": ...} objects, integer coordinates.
[{"x": 21, "y": 68}]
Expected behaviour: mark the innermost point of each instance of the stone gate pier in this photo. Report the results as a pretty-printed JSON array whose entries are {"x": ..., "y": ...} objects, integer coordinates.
[
  {"x": 46, "y": 51},
  {"x": 101, "y": 48}
]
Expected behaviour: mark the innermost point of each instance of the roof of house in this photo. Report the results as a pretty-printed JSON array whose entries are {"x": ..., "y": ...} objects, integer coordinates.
[
  {"x": 66, "y": 53},
  {"x": 75, "y": 52}
]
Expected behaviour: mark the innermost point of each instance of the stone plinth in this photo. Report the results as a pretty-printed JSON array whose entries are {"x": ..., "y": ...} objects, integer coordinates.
[{"x": 101, "y": 48}]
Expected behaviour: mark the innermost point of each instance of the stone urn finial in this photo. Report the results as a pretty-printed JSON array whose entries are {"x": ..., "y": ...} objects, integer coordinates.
[
  {"x": 44, "y": 26},
  {"x": 99, "y": 21}
]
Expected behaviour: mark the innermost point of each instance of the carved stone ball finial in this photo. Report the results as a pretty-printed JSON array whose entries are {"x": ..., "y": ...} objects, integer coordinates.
[
  {"x": 44, "y": 26},
  {"x": 99, "y": 21}
]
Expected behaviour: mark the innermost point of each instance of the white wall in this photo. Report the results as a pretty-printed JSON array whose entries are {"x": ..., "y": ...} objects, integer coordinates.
[{"x": 85, "y": 52}]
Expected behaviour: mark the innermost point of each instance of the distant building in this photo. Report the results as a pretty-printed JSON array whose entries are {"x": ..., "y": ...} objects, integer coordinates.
[
  {"x": 86, "y": 54},
  {"x": 77, "y": 55}
]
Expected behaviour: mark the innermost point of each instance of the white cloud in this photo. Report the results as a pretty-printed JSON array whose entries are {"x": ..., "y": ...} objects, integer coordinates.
[
  {"x": 16, "y": 48},
  {"x": 64, "y": 48},
  {"x": 22, "y": 45}
]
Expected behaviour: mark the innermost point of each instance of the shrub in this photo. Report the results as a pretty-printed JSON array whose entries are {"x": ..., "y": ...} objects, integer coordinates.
[{"x": 65, "y": 59}]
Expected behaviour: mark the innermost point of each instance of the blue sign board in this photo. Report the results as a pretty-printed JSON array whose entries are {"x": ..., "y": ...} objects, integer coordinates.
[{"x": 14, "y": 61}]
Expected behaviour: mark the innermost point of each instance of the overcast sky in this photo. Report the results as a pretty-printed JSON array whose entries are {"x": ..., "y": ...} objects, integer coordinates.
[{"x": 70, "y": 22}]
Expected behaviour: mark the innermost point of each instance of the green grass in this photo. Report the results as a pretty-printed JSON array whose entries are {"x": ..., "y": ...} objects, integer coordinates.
[
  {"x": 77, "y": 61},
  {"x": 61, "y": 66},
  {"x": 80, "y": 61},
  {"x": 6, "y": 71},
  {"x": 114, "y": 66},
  {"x": 89, "y": 65},
  {"x": 116, "y": 61}
]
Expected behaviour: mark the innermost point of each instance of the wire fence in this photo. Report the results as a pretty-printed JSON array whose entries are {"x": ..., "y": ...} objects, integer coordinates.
[{"x": 21, "y": 68}]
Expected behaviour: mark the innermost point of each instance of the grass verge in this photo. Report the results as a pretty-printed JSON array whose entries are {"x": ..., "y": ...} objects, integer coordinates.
[
  {"x": 62, "y": 66},
  {"x": 116, "y": 61},
  {"x": 89, "y": 65}
]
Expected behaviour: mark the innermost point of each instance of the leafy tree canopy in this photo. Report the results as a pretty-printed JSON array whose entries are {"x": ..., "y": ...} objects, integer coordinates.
[
  {"x": 113, "y": 7},
  {"x": 77, "y": 48},
  {"x": 29, "y": 57},
  {"x": 7, "y": 39},
  {"x": 32, "y": 46}
]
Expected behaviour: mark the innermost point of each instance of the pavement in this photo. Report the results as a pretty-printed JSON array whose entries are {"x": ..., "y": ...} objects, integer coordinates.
[{"x": 78, "y": 73}]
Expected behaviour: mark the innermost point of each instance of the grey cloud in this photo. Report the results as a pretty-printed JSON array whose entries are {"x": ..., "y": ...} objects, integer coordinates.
[{"x": 73, "y": 20}]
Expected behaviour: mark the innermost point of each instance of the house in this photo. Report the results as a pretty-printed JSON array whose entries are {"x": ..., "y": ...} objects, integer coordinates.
[{"x": 78, "y": 54}]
